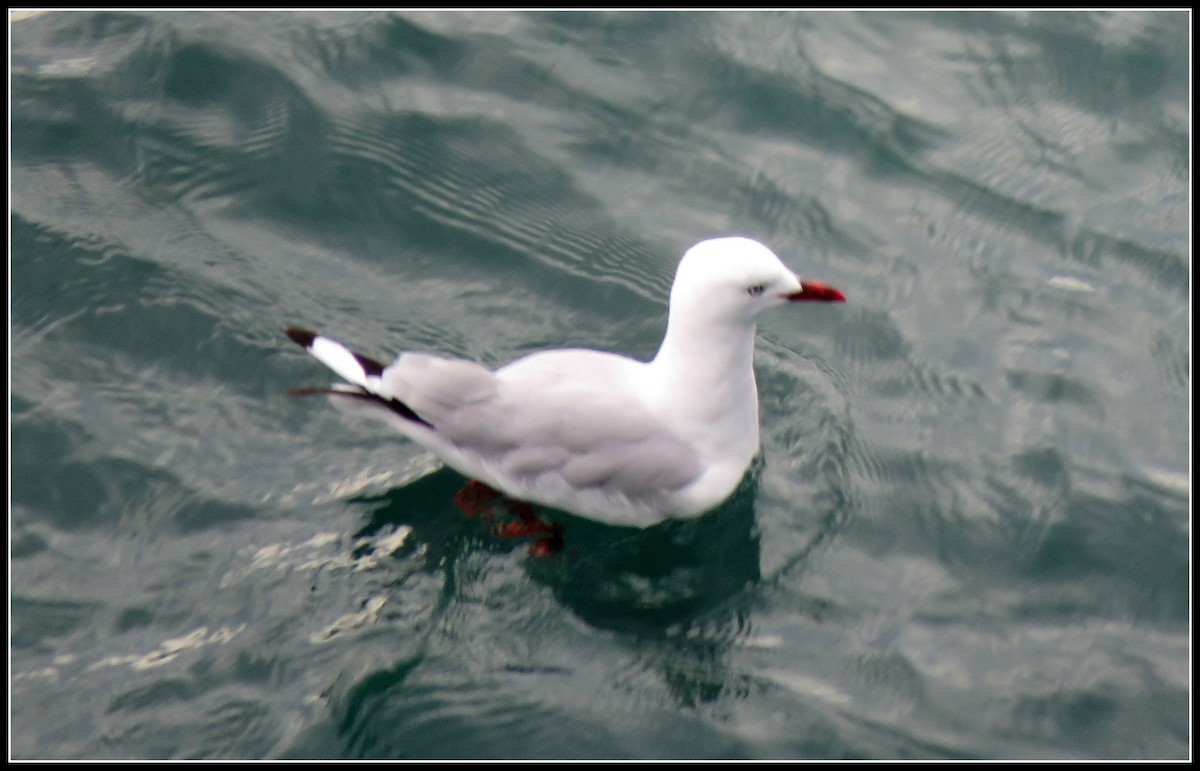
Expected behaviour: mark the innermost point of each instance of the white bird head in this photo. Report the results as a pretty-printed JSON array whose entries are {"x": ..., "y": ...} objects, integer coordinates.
[{"x": 735, "y": 278}]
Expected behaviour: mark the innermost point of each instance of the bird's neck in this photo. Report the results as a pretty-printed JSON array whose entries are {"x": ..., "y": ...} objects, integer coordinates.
[{"x": 705, "y": 374}]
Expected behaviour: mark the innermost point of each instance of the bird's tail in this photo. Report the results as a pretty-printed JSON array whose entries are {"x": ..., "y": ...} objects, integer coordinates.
[{"x": 364, "y": 375}]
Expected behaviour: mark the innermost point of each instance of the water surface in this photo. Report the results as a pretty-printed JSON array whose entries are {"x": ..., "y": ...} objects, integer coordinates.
[{"x": 969, "y": 534}]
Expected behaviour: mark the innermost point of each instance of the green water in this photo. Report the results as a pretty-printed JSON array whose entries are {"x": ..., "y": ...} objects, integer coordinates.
[{"x": 969, "y": 535}]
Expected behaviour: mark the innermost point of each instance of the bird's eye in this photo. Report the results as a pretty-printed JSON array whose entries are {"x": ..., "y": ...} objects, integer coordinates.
[{"x": 756, "y": 290}]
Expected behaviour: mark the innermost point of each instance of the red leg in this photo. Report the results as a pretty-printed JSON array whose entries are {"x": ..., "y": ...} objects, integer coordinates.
[
  {"x": 476, "y": 498},
  {"x": 546, "y": 546},
  {"x": 531, "y": 525}
]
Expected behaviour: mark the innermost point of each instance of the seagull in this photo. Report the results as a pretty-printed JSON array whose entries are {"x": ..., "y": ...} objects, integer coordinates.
[{"x": 592, "y": 433}]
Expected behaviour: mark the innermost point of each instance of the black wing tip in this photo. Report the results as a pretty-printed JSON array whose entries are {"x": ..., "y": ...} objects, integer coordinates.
[
  {"x": 301, "y": 336},
  {"x": 369, "y": 365},
  {"x": 307, "y": 391},
  {"x": 305, "y": 337},
  {"x": 395, "y": 405}
]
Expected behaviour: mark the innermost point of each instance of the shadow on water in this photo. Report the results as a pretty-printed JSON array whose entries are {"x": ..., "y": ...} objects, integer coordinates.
[
  {"x": 638, "y": 581},
  {"x": 672, "y": 595},
  {"x": 661, "y": 579}
]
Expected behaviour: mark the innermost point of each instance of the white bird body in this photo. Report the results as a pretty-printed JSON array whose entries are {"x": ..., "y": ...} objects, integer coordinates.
[{"x": 593, "y": 433}]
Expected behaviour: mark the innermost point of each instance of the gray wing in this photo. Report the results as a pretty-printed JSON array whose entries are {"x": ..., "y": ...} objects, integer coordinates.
[
  {"x": 571, "y": 414},
  {"x": 435, "y": 387}
]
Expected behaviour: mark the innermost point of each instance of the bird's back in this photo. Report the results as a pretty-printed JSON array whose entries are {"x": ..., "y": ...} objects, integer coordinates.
[{"x": 564, "y": 428}]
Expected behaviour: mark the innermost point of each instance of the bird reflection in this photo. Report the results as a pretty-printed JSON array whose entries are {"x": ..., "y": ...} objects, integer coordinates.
[{"x": 677, "y": 594}]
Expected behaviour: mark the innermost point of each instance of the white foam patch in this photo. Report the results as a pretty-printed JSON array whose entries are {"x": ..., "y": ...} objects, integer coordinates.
[
  {"x": 1070, "y": 284},
  {"x": 369, "y": 614},
  {"x": 169, "y": 650},
  {"x": 809, "y": 687},
  {"x": 278, "y": 556},
  {"x": 366, "y": 554}
]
